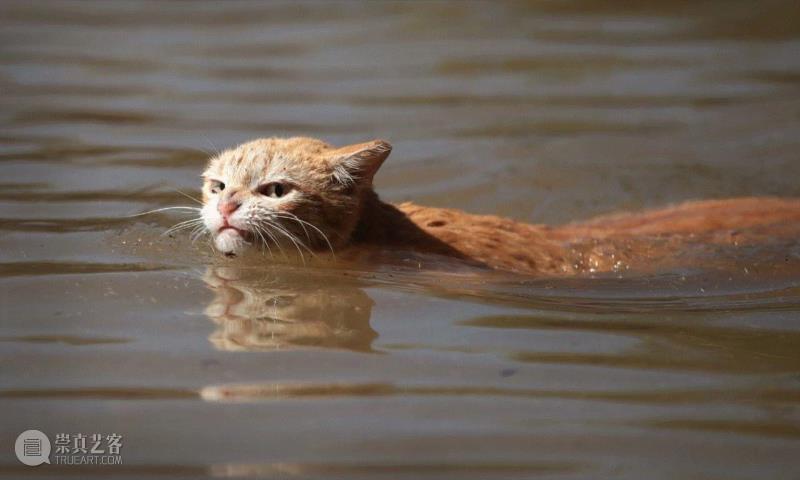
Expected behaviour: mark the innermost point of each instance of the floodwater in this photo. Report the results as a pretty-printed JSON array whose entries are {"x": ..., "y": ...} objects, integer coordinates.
[{"x": 542, "y": 111}]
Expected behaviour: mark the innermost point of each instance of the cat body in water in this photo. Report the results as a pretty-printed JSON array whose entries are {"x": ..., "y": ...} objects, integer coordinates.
[{"x": 305, "y": 195}]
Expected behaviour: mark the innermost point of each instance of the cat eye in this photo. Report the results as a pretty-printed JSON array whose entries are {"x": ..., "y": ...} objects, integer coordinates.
[
  {"x": 274, "y": 189},
  {"x": 217, "y": 186}
]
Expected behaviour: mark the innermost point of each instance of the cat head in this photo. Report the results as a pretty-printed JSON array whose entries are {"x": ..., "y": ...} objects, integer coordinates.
[{"x": 294, "y": 193}]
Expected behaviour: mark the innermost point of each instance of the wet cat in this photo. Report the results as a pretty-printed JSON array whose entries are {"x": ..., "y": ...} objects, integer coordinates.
[{"x": 306, "y": 195}]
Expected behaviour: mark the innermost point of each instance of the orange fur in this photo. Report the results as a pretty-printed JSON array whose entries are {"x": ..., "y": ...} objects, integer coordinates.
[{"x": 332, "y": 191}]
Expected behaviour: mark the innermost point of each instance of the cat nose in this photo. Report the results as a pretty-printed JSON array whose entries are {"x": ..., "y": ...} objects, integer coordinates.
[{"x": 228, "y": 207}]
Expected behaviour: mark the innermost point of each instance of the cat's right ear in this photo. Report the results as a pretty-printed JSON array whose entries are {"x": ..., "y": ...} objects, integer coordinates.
[{"x": 357, "y": 164}]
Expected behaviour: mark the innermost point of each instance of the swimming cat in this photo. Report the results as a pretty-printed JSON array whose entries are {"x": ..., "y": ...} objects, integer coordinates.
[{"x": 304, "y": 194}]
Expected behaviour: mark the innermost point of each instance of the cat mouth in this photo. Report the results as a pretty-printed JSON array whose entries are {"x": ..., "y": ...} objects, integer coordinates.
[
  {"x": 242, "y": 233},
  {"x": 231, "y": 240},
  {"x": 231, "y": 227}
]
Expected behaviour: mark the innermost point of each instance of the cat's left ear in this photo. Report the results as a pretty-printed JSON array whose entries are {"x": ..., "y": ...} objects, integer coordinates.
[{"x": 357, "y": 164}]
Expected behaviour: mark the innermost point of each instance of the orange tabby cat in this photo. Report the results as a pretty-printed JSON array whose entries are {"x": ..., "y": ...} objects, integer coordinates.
[{"x": 304, "y": 194}]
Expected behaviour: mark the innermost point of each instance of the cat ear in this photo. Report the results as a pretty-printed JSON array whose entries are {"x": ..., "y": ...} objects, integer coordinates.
[{"x": 357, "y": 164}]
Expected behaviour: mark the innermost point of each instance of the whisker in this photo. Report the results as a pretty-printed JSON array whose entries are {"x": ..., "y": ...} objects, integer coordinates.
[
  {"x": 264, "y": 242},
  {"x": 194, "y": 234},
  {"x": 188, "y": 196},
  {"x": 211, "y": 144},
  {"x": 191, "y": 220},
  {"x": 272, "y": 237},
  {"x": 291, "y": 238},
  {"x": 183, "y": 225},
  {"x": 293, "y": 217},
  {"x": 203, "y": 151},
  {"x": 194, "y": 209},
  {"x": 258, "y": 235},
  {"x": 176, "y": 230},
  {"x": 197, "y": 232},
  {"x": 321, "y": 233}
]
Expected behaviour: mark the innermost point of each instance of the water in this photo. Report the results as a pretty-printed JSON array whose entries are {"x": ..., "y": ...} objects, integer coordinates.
[{"x": 542, "y": 111}]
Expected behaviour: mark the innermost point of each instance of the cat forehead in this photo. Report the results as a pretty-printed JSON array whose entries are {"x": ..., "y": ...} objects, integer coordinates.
[{"x": 269, "y": 157}]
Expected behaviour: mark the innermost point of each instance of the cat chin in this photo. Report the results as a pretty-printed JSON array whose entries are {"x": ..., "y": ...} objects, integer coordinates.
[{"x": 230, "y": 242}]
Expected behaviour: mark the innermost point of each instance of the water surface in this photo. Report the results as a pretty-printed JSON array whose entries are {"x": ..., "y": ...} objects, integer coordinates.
[{"x": 542, "y": 111}]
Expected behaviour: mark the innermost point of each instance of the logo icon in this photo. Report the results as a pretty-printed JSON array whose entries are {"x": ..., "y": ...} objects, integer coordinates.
[{"x": 32, "y": 448}]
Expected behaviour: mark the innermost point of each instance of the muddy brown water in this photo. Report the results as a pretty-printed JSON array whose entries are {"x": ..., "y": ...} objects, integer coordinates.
[{"x": 543, "y": 111}]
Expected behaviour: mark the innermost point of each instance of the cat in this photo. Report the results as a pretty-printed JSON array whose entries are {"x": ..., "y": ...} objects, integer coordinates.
[{"x": 303, "y": 194}]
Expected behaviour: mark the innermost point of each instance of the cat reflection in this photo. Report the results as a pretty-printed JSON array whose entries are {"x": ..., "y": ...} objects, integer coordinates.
[{"x": 281, "y": 310}]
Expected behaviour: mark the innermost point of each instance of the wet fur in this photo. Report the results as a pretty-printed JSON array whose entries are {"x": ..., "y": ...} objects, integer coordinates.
[{"x": 333, "y": 193}]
